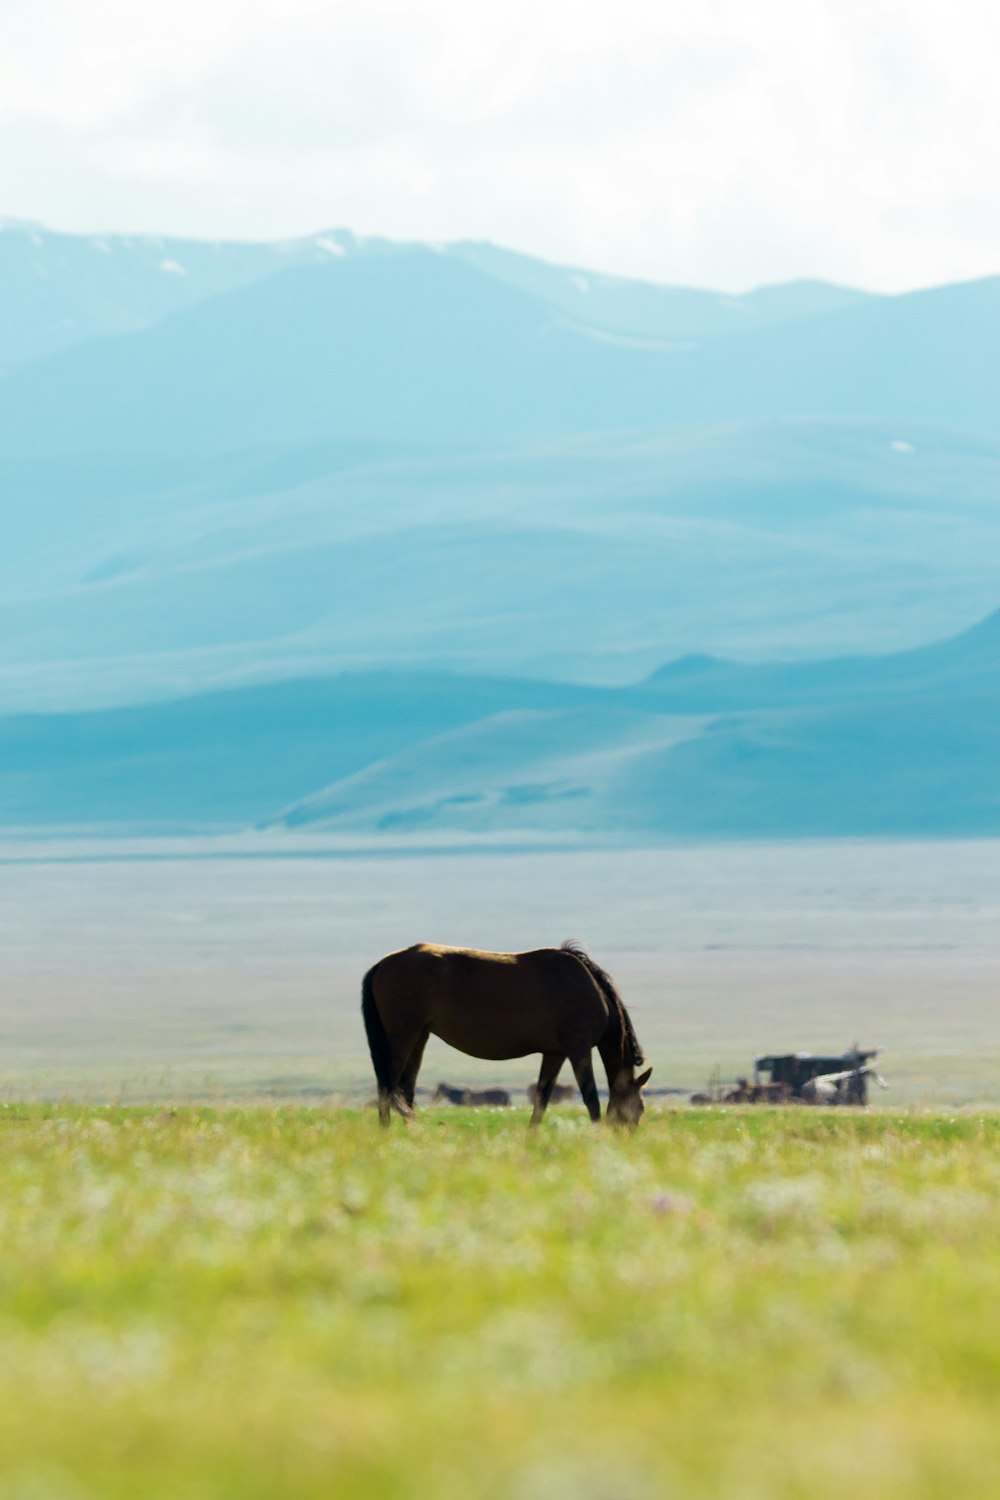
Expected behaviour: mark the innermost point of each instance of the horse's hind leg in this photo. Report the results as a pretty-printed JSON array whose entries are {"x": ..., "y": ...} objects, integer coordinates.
[
  {"x": 393, "y": 1097},
  {"x": 408, "y": 1079},
  {"x": 551, "y": 1063},
  {"x": 392, "y": 1093},
  {"x": 583, "y": 1068},
  {"x": 407, "y": 1050}
]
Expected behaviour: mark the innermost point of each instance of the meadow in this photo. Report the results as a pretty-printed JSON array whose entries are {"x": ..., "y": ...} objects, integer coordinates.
[
  {"x": 729, "y": 1304},
  {"x": 219, "y": 1279}
]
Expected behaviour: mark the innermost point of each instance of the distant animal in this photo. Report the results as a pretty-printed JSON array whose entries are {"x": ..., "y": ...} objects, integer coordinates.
[
  {"x": 847, "y": 1087},
  {"x": 556, "y": 1001},
  {"x": 498, "y": 1098},
  {"x": 743, "y": 1093},
  {"x": 561, "y": 1093},
  {"x": 445, "y": 1091}
]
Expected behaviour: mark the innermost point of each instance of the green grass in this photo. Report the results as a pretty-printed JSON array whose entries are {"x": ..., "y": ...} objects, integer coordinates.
[{"x": 287, "y": 1303}]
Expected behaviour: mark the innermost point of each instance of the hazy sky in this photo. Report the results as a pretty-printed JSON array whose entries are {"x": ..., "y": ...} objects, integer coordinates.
[{"x": 716, "y": 142}]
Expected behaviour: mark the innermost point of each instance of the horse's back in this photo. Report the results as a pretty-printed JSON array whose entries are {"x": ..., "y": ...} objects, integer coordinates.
[
  {"x": 536, "y": 972},
  {"x": 440, "y": 958},
  {"x": 444, "y": 951}
]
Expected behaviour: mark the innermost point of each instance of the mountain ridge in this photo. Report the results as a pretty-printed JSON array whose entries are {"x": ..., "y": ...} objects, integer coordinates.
[
  {"x": 65, "y": 287},
  {"x": 417, "y": 346},
  {"x": 487, "y": 756}
]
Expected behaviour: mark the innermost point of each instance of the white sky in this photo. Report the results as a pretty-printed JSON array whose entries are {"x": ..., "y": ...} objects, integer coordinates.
[{"x": 712, "y": 142}]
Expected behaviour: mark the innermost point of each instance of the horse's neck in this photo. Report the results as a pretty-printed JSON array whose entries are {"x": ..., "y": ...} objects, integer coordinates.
[{"x": 611, "y": 1046}]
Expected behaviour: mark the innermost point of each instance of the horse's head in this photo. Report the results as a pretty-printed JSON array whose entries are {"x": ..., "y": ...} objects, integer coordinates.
[{"x": 625, "y": 1105}]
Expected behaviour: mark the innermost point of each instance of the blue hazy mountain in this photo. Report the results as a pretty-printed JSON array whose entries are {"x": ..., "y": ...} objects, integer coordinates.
[
  {"x": 594, "y": 558},
  {"x": 648, "y": 311},
  {"x": 419, "y": 347},
  {"x": 906, "y": 744},
  {"x": 60, "y": 290},
  {"x": 702, "y": 684},
  {"x": 232, "y": 758},
  {"x": 411, "y": 348},
  {"x": 231, "y": 474},
  {"x": 903, "y": 766},
  {"x": 814, "y": 750}
]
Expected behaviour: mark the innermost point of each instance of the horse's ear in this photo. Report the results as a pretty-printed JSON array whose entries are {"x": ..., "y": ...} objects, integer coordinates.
[{"x": 643, "y": 1079}]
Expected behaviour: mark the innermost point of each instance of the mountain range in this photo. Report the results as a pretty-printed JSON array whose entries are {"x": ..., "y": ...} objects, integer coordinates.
[
  {"x": 348, "y": 534},
  {"x": 426, "y": 348},
  {"x": 63, "y": 289}
]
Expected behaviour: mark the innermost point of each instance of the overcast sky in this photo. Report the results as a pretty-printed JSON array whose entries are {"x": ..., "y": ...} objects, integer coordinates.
[{"x": 721, "y": 143}]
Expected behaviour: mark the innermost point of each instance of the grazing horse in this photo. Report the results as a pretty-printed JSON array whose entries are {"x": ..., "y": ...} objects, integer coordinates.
[{"x": 555, "y": 1001}]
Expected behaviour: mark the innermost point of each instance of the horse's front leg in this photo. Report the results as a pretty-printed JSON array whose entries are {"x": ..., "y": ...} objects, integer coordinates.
[
  {"x": 551, "y": 1063},
  {"x": 583, "y": 1069}
]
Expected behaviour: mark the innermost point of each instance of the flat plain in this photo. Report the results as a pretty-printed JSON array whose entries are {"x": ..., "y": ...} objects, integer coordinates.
[
  {"x": 219, "y": 970},
  {"x": 728, "y": 1305}
]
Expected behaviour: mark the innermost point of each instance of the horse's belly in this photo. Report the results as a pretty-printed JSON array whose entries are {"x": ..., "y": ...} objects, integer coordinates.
[{"x": 477, "y": 1040}]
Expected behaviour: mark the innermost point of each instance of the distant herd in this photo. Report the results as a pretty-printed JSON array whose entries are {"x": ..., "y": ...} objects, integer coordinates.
[{"x": 446, "y": 1093}]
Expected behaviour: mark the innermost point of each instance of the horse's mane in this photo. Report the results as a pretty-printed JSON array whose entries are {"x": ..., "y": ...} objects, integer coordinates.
[{"x": 632, "y": 1051}]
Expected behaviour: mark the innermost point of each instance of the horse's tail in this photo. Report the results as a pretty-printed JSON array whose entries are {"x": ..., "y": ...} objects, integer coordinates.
[
  {"x": 378, "y": 1042},
  {"x": 631, "y": 1050}
]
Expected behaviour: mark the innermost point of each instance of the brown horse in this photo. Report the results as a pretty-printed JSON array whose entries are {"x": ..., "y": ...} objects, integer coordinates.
[{"x": 555, "y": 1001}]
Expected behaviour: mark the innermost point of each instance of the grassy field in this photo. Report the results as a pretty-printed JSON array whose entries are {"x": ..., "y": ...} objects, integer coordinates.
[{"x": 286, "y": 1303}]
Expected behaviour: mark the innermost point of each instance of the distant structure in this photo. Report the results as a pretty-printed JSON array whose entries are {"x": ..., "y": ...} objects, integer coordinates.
[
  {"x": 800, "y": 1078},
  {"x": 814, "y": 1078}
]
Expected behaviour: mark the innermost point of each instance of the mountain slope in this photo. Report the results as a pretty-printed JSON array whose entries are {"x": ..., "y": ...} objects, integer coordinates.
[
  {"x": 926, "y": 356},
  {"x": 647, "y": 310},
  {"x": 418, "y": 347},
  {"x": 391, "y": 754},
  {"x": 908, "y": 744},
  {"x": 591, "y": 558},
  {"x": 919, "y": 765},
  {"x": 230, "y": 758},
  {"x": 542, "y": 769},
  {"x": 59, "y": 290},
  {"x": 947, "y": 669},
  {"x": 410, "y": 348}
]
